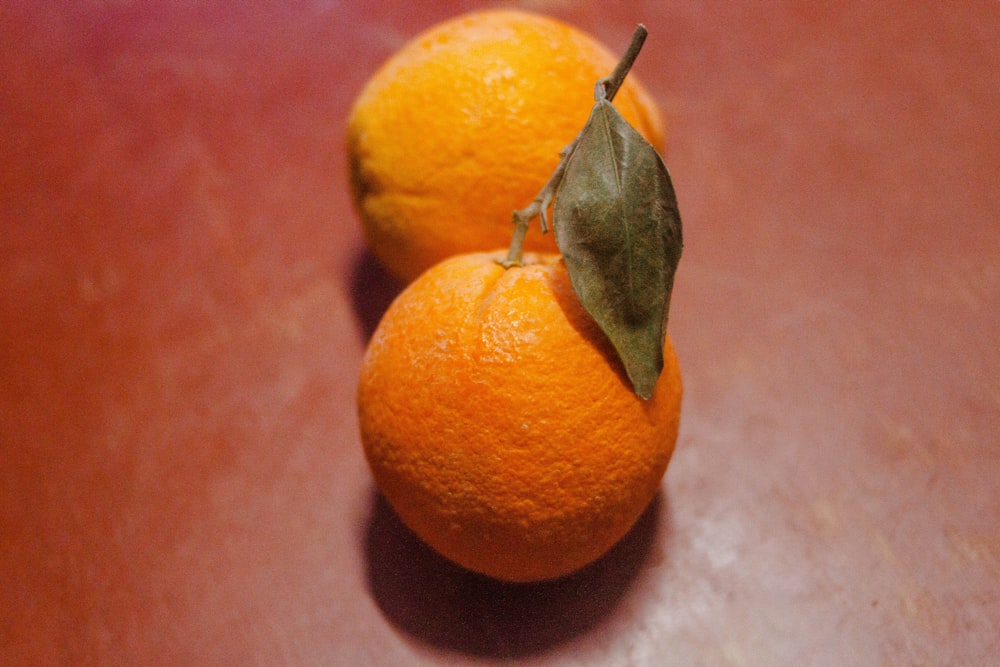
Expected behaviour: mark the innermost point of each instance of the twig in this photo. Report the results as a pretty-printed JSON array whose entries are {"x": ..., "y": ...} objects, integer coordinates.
[{"x": 606, "y": 89}]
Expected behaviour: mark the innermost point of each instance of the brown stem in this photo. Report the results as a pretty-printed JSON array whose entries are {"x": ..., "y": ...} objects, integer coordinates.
[
  {"x": 608, "y": 86},
  {"x": 606, "y": 89}
]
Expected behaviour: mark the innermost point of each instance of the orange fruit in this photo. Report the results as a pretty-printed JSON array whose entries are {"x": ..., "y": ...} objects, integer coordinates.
[
  {"x": 465, "y": 124},
  {"x": 499, "y": 423}
]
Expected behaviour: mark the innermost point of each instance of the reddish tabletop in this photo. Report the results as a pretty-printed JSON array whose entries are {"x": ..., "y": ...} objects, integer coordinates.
[{"x": 185, "y": 297}]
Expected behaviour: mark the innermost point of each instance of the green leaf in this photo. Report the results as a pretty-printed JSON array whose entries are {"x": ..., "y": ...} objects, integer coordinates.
[{"x": 618, "y": 227}]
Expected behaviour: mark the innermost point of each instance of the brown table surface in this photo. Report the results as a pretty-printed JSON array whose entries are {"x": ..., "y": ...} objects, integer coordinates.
[{"x": 184, "y": 299}]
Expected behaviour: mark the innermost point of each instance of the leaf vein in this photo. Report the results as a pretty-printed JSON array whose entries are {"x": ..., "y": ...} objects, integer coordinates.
[{"x": 619, "y": 205}]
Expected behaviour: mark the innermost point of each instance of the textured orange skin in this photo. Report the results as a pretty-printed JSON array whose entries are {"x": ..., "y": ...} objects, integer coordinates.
[
  {"x": 465, "y": 124},
  {"x": 499, "y": 424}
]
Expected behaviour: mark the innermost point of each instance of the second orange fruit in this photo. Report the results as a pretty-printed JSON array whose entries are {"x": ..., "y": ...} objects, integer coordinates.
[
  {"x": 465, "y": 124},
  {"x": 499, "y": 424}
]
